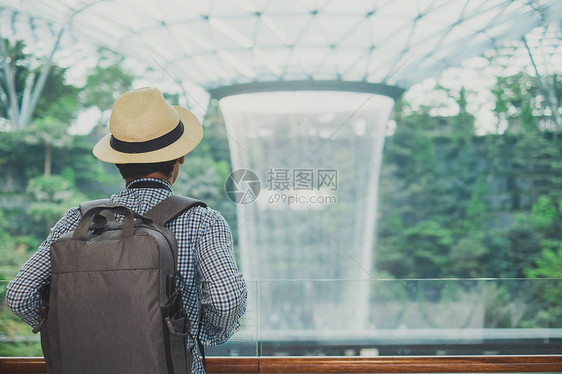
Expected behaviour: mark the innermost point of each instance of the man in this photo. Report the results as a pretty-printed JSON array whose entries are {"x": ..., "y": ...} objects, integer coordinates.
[{"x": 148, "y": 142}]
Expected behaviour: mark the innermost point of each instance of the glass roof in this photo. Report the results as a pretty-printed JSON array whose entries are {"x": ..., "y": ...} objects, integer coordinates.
[{"x": 221, "y": 43}]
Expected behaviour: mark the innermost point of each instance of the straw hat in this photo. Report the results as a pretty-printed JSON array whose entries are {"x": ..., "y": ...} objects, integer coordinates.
[{"x": 144, "y": 128}]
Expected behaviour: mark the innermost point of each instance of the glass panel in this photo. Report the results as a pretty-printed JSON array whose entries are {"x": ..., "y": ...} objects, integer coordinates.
[
  {"x": 410, "y": 317},
  {"x": 16, "y": 338},
  {"x": 401, "y": 318}
]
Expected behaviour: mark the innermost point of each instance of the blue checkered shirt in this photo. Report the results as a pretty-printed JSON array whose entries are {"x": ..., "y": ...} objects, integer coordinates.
[{"x": 210, "y": 279}]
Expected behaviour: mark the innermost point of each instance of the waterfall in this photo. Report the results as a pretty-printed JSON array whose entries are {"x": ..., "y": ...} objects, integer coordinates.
[{"x": 317, "y": 155}]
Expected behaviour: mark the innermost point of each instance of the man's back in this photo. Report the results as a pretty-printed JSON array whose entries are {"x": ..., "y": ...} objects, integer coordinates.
[
  {"x": 148, "y": 140},
  {"x": 211, "y": 284}
]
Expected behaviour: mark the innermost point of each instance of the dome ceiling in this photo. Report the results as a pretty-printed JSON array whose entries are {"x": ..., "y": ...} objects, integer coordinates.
[{"x": 222, "y": 43}]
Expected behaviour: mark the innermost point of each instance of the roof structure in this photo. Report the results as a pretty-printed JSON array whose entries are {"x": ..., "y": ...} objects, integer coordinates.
[{"x": 219, "y": 43}]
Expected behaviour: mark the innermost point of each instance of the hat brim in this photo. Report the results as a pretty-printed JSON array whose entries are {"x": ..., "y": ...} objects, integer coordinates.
[{"x": 192, "y": 135}]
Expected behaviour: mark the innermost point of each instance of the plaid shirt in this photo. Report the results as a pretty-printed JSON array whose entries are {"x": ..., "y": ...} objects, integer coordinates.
[{"x": 209, "y": 275}]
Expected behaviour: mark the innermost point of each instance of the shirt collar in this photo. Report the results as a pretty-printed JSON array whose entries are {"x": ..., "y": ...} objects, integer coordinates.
[{"x": 165, "y": 185}]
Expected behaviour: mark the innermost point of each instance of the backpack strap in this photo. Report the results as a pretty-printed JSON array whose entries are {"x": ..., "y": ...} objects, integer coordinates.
[
  {"x": 171, "y": 207},
  {"x": 87, "y": 205},
  {"x": 165, "y": 211},
  {"x": 104, "y": 217}
]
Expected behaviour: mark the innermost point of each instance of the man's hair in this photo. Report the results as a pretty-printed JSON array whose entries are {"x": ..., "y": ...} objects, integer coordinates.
[{"x": 137, "y": 171}]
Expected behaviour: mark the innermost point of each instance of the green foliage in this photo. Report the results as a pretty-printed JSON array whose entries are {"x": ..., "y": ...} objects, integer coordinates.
[
  {"x": 457, "y": 205},
  {"x": 106, "y": 81},
  {"x": 543, "y": 213},
  {"x": 50, "y": 132},
  {"x": 548, "y": 293},
  {"x": 45, "y": 171},
  {"x": 477, "y": 208},
  {"x": 432, "y": 250},
  {"x": 514, "y": 92},
  {"x": 21, "y": 341},
  {"x": 537, "y": 162},
  {"x": 497, "y": 312},
  {"x": 15, "y": 161},
  {"x": 201, "y": 177},
  {"x": 58, "y": 100},
  {"x": 14, "y": 249},
  {"x": 466, "y": 259},
  {"x": 549, "y": 265},
  {"x": 451, "y": 204},
  {"x": 51, "y": 197}
]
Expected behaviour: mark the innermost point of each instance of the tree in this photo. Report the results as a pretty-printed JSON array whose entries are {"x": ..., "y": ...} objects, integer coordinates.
[
  {"x": 105, "y": 83},
  {"x": 24, "y": 78},
  {"x": 522, "y": 101},
  {"x": 51, "y": 197},
  {"x": 50, "y": 132},
  {"x": 548, "y": 291},
  {"x": 549, "y": 265},
  {"x": 536, "y": 168},
  {"x": 462, "y": 124},
  {"x": 14, "y": 75}
]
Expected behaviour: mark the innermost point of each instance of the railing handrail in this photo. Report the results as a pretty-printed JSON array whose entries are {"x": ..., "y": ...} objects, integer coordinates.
[{"x": 381, "y": 364}]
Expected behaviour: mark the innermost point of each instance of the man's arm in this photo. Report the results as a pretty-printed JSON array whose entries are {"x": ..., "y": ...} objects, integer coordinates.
[
  {"x": 22, "y": 294},
  {"x": 224, "y": 292}
]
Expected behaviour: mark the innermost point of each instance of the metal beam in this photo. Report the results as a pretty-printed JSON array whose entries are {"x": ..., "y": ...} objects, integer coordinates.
[{"x": 307, "y": 85}]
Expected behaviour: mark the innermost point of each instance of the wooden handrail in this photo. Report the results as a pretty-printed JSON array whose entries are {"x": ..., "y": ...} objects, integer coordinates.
[{"x": 411, "y": 364}]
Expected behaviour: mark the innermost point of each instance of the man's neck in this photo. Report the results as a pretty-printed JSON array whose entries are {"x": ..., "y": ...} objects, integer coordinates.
[{"x": 156, "y": 175}]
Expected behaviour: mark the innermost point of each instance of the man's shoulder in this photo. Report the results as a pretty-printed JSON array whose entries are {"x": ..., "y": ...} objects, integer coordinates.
[
  {"x": 200, "y": 213},
  {"x": 69, "y": 220},
  {"x": 203, "y": 217}
]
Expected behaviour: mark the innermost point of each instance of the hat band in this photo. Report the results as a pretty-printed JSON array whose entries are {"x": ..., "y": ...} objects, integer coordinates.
[{"x": 149, "y": 145}]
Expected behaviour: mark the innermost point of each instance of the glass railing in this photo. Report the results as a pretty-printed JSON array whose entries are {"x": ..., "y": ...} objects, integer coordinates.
[{"x": 377, "y": 318}]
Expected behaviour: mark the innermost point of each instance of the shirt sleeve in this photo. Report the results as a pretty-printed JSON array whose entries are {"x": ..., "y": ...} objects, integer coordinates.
[
  {"x": 223, "y": 299},
  {"x": 22, "y": 294}
]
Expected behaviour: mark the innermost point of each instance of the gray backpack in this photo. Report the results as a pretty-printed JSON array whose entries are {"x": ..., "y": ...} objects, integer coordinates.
[{"x": 112, "y": 306}]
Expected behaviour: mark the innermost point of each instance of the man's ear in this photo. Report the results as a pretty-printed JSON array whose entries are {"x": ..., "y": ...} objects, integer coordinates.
[{"x": 181, "y": 160}]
